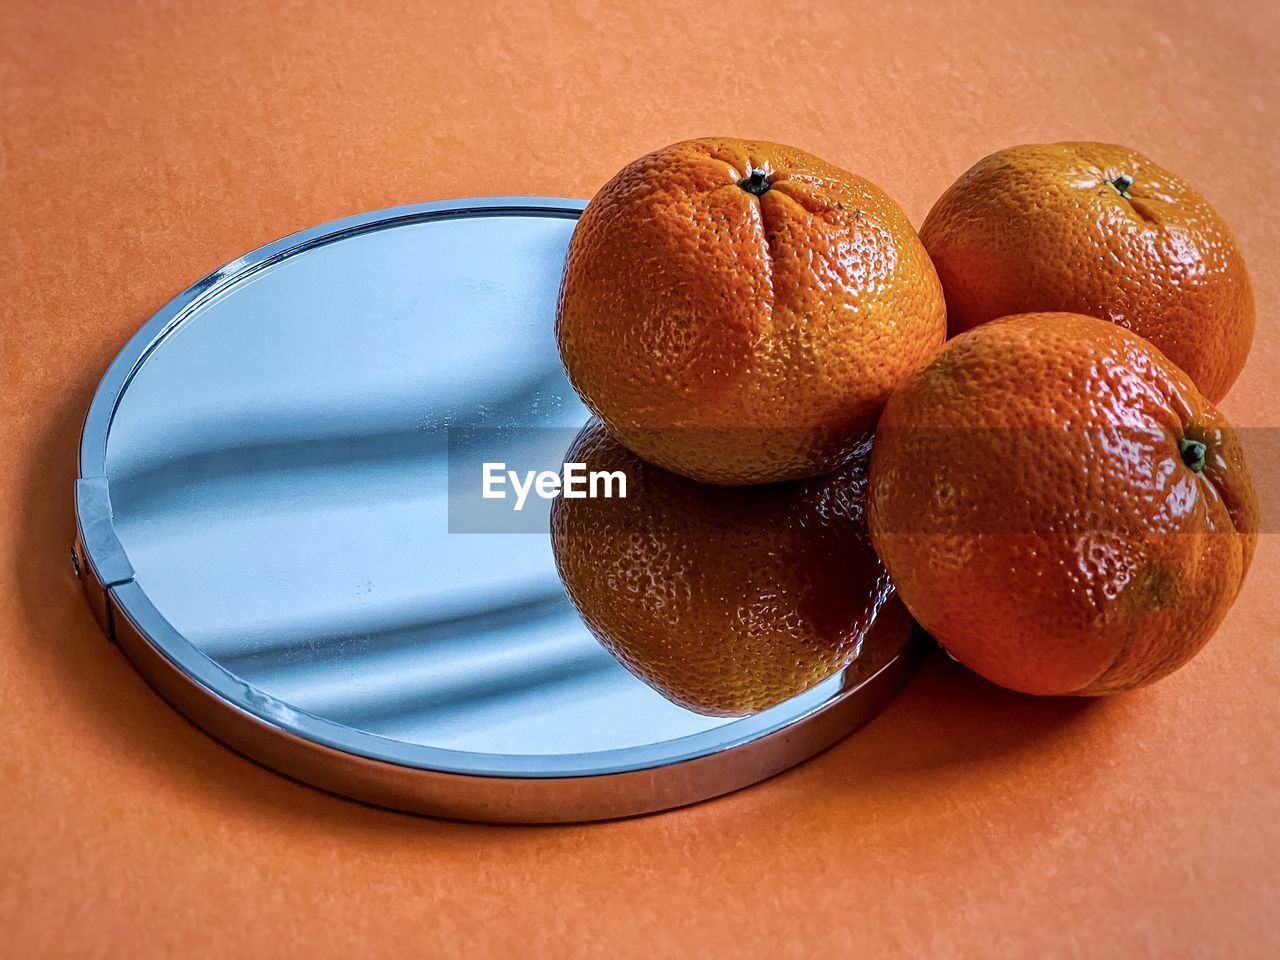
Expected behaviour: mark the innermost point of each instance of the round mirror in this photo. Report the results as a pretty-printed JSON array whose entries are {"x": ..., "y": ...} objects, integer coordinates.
[{"x": 300, "y": 501}]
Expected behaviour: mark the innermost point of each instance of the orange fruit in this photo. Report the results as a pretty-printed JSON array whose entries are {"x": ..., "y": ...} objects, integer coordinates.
[
  {"x": 1059, "y": 506},
  {"x": 1098, "y": 229},
  {"x": 737, "y": 311},
  {"x": 727, "y": 601}
]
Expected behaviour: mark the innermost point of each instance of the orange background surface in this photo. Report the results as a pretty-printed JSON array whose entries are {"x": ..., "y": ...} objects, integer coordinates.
[{"x": 143, "y": 144}]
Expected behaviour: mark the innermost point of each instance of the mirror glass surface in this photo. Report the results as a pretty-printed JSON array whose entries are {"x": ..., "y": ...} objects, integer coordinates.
[{"x": 279, "y": 472}]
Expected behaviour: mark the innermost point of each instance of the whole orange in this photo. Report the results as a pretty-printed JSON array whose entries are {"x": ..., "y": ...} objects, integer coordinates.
[
  {"x": 727, "y": 601},
  {"x": 1102, "y": 230},
  {"x": 1059, "y": 506},
  {"x": 737, "y": 311}
]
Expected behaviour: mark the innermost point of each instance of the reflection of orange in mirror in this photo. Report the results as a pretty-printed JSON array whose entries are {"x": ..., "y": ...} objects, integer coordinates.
[{"x": 727, "y": 600}]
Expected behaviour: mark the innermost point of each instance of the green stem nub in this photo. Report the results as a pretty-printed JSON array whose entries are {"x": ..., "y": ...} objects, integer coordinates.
[
  {"x": 756, "y": 182},
  {"x": 1122, "y": 184},
  {"x": 1193, "y": 452}
]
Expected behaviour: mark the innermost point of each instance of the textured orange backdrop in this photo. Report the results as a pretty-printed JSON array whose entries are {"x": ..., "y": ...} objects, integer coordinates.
[{"x": 142, "y": 144}]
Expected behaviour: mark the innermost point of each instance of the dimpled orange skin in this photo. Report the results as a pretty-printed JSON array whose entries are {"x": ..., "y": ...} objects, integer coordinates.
[
  {"x": 727, "y": 601},
  {"x": 1030, "y": 497},
  {"x": 1041, "y": 227},
  {"x": 736, "y": 338}
]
